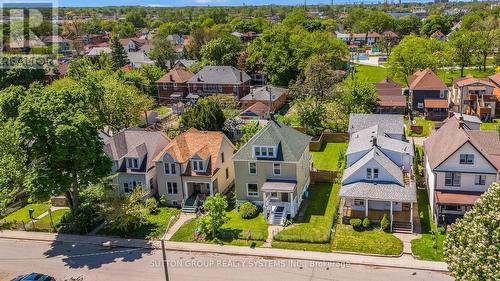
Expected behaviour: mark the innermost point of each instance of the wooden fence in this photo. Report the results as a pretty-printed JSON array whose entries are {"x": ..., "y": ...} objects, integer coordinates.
[
  {"x": 323, "y": 176},
  {"x": 315, "y": 145}
]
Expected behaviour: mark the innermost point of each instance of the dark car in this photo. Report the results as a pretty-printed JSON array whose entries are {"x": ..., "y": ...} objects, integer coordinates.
[{"x": 34, "y": 277}]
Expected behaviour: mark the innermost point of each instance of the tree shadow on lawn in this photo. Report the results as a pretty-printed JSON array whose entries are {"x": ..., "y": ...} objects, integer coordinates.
[
  {"x": 144, "y": 231},
  {"x": 92, "y": 256}
]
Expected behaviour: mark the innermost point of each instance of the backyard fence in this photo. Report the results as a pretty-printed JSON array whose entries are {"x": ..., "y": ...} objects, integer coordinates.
[
  {"x": 315, "y": 145},
  {"x": 323, "y": 176},
  {"x": 28, "y": 226}
]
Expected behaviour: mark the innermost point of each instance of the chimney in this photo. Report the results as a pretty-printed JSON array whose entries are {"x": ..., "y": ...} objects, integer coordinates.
[
  {"x": 241, "y": 76},
  {"x": 374, "y": 141}
]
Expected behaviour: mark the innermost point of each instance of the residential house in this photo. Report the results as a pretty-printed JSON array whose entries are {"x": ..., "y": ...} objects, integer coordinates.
[
  {"x": 272, "y": 170},
  {"x": 372, "y": 38},
  {"x": 471, "y": 121},
  {"x": 138, "y": 59},
  {"x": 265, "y": 94},
  {"x": 426, "y": 87},
  {"x": 460, "y": 165},
  {"x": 245, "y": 37},
  {"x": 376, "y": 180},
  {"x": 392, "y": 125},
  {"x": 346, "y": 37},
  {"x": 391, "y": 36},
  {"x": 220, "y": 80},
  {"x": 495, "y": 79},
  {"x": 132, "y": 152},
  {"x": 55, "y": 40},
  {"x": 438, "y": 35},
  {"x": 132, "y": 44},
  {"x": 473, "y": 96},
  {"x": 173, "y": 85},
  {"x": 358, "y": 38},
  {"x": 194, "y": 165},
  {"x": 97, "y": 51},
  {"x": 390, "y": 97},
  {"x": 256, "y": 111}
]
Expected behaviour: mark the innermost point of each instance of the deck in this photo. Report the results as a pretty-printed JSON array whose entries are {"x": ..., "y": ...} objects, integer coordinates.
[{"x": 376, "y": 215}]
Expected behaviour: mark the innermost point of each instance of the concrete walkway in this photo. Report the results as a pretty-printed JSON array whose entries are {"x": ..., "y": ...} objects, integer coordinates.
[
  {"x": 406, "y": 239},
  {"x": 405, "y": 261},
  {"x": 183, "y": 218},
  {"x": 271, "y": 231},
  {"x": 52, "y": 209}
]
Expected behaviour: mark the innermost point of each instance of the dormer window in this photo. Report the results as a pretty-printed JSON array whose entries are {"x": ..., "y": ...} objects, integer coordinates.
[
  {"x": 264, "y": 151},
  {"x": 467, "y": 159},
  {"x": 197, "y": 166},
  {"x": 132, "y": 163}
]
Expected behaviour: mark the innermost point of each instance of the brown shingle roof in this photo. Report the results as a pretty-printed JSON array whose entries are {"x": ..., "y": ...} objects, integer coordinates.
[
  {"x": 205, "y": 144},
  {"x": 437, "y": 33},
  {"x": 431, "y": 103},
  {"x": 258, "y": 108},
  {"x": 469, "y": 80},
  {"x": 426, "y": 80},
  {"x": 390, "y": 93},
  {"x": 179, "y": 75},
  {"x": 495, "y": 78},
  {"x": 456, "y": 198},
  {"x": 450, "y": 137}
]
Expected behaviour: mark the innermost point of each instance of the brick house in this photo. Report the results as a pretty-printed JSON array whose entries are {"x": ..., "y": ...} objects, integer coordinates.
[
  {"x": 220, "y": 80},
  {"x": 173, "y": 85},
  {"x": 263, "y": 94}
]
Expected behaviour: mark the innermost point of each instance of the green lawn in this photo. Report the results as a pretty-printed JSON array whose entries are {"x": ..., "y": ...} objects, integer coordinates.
[
  {"x": 491, "y": 126},
  {"x": 423, "y": 248},
  {"x": 330, "y": 157},
  {"x": 369, "y": 241},
  {"x": 154, "y": 228},
  {"x": 23, "y": 213},
  {"x": 315, "y": 247},
  {"x": 448, "y": 75},
  {"x": 44, "y": 222},
  {"x": 373, "y": 74},
  {"x": 321, "y": 209},
  {"x": 428, "y": 125},
  {"x": 233, "y": 232},
  {"x": 162, "y": 110}
]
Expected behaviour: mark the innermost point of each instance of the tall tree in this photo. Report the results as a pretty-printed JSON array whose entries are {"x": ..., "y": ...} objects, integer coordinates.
[
  {"x": 224, "y": 50},
  {"x": 205, "y": 115},
  {"x": 65, "y": 149},
  {"x": 118, "y": 54},
  {"x": 408, "y": 25},
  {"x": 359, "y": 96},
  {"x": 13, "y": 71},
  {"x": 215, "y": 207},
  {"x": 163, "y": 52},
  {"x": 464, "y": 44},
  {"x": 472, "y": 244}
]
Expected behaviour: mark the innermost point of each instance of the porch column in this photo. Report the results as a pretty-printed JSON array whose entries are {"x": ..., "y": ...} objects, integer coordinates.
[
  {"x": 366, "y": 207},
  {"x": 411, "y": 215},
  {"x": 391, "y": 216},
  {"x": 211, "y": 186},
  {"x": 185, "y": 189}
]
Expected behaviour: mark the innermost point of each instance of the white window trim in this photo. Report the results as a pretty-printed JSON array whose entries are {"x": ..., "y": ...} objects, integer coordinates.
[
  {"x": 249, "y": 170},
  {"x": 170, "y": 165},
  {"x": 369, "y": 173},
  {"x": 375, "y": 175},
  {"x": 252, "y": 195},
  {"x": 132, "y": 163},
  {"x": 172, "y": 185},
  {"x": 274, "y": 169},
  {"x": 198, "y": 165},
  {"x": 266, "y": 148}
]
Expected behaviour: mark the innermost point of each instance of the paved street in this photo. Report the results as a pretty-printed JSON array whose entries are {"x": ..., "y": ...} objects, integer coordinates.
[{"x": 89, "y": 262}]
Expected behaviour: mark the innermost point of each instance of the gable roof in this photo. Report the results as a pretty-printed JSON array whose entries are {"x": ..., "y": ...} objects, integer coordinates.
[
  {"x": 176, "y": 74},
  {"x": 262, "y": 94},
  {"x": 442, "y": 143},
  {"x": 495, "y": 78},
  {"x": 437, "y": 34},
  {"x": 426, "y": 80},
  {"x": 388, "y": 123},
  {"x": 258, "y": 109},
  {"x": 220, "y": 75},
  {"x": 469, "y": 80},
  {"x": 378, "y": 156},
  {"x": 290, "y": 142},
  {"x": 363, "y": 140},
  {"x": 390, "y": 93},
  {"x": 204, "y": 144},
  {"x": 136, "y": 143},
  {"x": 379, "y": 191}
]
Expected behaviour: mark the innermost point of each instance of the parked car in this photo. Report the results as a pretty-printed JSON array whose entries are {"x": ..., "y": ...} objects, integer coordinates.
[{"x": 34, "y": 277}]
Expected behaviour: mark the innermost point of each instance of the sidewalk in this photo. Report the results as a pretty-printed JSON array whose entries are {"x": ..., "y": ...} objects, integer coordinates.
[
  {"x": 183, "y": 218},
  {"x": 405, "y": 261}
]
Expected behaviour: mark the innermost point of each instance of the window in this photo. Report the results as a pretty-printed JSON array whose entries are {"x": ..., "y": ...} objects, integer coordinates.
[
  {"x": 375, "y": 173},
  {"x": 441, "y": 94},
  {"x": 252, "y": 168},
  {"x": 198, "y": 166},
  {"x": 252, "y": 190},
  {"x": 466, "y": 158},
  {"x": 222, "y": 157},
  {"x": 369, "y": 173},
  {"x": 175, "y": 86},
  {"x": 480, "y": 180},
  {"x": 171, "y": 188},
  {"x": 132, "y": 163},
  {"x": 452, "y": 179},
  {"x": 170, "y": 168},
  {"x": 274, "y": 195},
  {"x": 264, "y": 151},
  {"x": 359, "y": 202},
  {"x": 276, "y": 169},
  {"x": 165, "y": 86},
  {"x": 126, "y": 187},
  {"x": 420, "y": 105},
  {"x": 227, "y": 173}
]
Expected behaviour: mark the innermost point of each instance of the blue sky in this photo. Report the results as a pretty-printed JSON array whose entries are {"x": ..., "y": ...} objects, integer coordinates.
[{"x": 177, "y": 3}]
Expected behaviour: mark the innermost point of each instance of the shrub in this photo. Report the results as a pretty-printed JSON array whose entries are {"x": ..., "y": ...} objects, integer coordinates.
[
  {"x": 367, "y": 223},
  {"x": 152, "y": 205},
  {"x": 355, "y": 223},
  {"x": 441, "y": 230},
  {"x": 385, "y": 223},
  {"x": 81, "y": 220},
  {"x": 163, "y": 201},
  {"x": 248, "y": 210}
]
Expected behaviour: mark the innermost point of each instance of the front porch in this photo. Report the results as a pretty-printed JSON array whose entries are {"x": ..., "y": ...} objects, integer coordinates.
[
  {"x": 279, "y": 201},
  {"x": 195, "y": 193}
]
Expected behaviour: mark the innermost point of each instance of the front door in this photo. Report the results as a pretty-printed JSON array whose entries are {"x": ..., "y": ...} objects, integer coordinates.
[
  {"x": 196, "y": 188},
  {"x": 284, "y": 197}
]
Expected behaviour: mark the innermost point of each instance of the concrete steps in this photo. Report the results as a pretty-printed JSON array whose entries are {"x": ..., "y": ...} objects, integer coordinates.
[
  {"x": 276, "y": 218},
  {"x": 402, "y": 227}
]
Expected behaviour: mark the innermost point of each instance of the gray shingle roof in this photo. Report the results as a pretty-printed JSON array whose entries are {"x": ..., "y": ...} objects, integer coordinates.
[
  {"x": 379, "y": 191},
  {"x": 220, "y": 75},
  {"x": 262, "y": 94},
  {"x": 380, "y": 158},
  {"x": 388, "y": 123},
  {"x": 363, "y": 140},
  {"x": 291, "y": 143}
]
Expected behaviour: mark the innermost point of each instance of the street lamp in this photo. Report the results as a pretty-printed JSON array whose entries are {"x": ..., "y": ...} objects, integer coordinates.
[{"x": 163, "y": 251}]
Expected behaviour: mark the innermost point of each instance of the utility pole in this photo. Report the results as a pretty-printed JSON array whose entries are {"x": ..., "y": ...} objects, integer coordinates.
[{"x": 165, "y": 266}]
